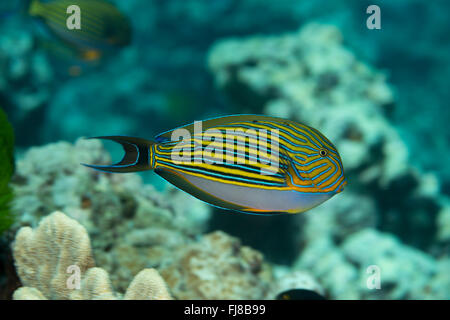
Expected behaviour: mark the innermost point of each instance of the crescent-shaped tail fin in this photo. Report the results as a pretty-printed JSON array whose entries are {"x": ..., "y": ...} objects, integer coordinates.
[{"x": 138, "y": 155}]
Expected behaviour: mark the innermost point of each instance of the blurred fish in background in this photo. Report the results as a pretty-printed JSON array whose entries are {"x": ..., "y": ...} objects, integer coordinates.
[
  {"x": 104, "y": 30},
  {"x": 103, "y": 25},
  {"x": 41, "y": 51},
  {"x": 299, "y": 294}
]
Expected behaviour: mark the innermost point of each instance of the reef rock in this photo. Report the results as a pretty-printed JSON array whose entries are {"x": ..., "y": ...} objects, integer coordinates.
[
  {"x": 132, "y": 226},
  {"x": 217, "y": 267},
  {"x": 311, "y": 77},
  {"x": 405, "y": 272},
  {"x": 52, "y": 178}
]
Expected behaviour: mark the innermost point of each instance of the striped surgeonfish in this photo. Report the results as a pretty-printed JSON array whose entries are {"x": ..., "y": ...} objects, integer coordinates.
[
  {"x": 248, "y": 163},
  {"x": 103, "y": 26}
]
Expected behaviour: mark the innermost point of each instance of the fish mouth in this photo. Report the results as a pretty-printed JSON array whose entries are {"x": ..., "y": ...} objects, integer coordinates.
[{"x": 341, "y": 188}]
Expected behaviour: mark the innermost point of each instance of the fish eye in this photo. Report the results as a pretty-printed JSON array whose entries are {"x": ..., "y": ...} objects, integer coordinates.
[{"x": 323, "y": 152}]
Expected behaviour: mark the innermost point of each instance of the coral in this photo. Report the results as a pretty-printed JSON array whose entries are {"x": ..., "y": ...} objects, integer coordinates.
[
  {"x": 147, "y": 285},
  {"x": 93, "y": 197},
  {"x": 216, "y": 267},
  {"x": 324, "y": 259},
  {"x": 319, "y": 237},
  {"x": 342, "y": 269},
  {"x": 7, "y": 168},
  {"x": 44, "y": 258},
  {"x": 311, "y": 77},
  {"x": 95, "y": 285},
  {"x": 150, "y": 68},
  {"x": 339, "y": 242},
  {"x": 27, "y": 293},
  {"x": 132, "y": 226},
  {"x": 405, "y": 272}
]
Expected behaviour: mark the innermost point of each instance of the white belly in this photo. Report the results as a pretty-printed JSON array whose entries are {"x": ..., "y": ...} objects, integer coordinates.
[{"x": 260, "y": 199}]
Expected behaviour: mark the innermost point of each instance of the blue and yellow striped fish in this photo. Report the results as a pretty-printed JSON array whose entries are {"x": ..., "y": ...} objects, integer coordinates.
[
  {"x": 103, "y": 26},
  {"x": 248, "y": 163}
]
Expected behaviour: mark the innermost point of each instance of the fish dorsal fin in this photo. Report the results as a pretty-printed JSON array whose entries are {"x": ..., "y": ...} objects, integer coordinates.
[{"x": 215, "y": 122}]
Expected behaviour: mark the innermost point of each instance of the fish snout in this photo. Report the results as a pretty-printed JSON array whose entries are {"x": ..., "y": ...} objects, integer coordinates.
[{"x": 341, "y": 187}]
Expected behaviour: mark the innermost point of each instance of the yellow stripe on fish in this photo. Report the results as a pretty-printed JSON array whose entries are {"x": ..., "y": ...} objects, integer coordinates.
[{"x": 249, "y": 163}]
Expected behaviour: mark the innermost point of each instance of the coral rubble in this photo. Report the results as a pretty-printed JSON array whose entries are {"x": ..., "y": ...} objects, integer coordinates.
[
  {"x": 217, "y": 267},
  {"x": 311, "y": 77},
  {"x": 392, "y": 215},
  {"x": 132, "y": 226}
]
